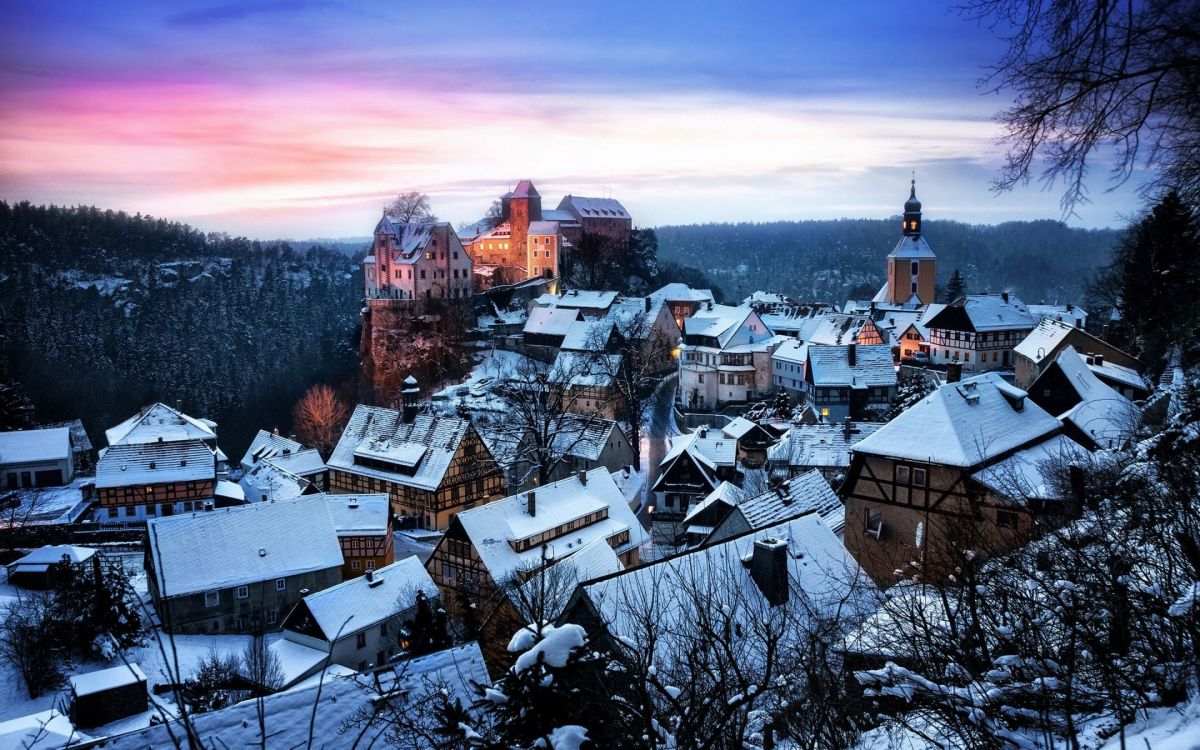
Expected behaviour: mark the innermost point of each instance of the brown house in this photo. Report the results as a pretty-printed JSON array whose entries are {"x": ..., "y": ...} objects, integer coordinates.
[
  {"x": 963, "y": 471},
  {"x": 1043, "y": 345},
  {"x": 136, "y": 481},
  {"x": 364, "y": 529},
  {"x": 430, "y": 467}
]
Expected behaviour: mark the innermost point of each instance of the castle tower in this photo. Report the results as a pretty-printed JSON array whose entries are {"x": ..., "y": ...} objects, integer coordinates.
[
  {"x": 521, "y": 206},
  {"x": 912, "y": 266}
]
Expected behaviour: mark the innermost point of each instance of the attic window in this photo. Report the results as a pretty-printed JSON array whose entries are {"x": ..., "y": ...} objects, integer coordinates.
[{"x": 153, "y": 465}]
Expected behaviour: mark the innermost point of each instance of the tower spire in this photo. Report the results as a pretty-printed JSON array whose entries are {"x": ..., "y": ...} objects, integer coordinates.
[{"x": 912, "y": 212}]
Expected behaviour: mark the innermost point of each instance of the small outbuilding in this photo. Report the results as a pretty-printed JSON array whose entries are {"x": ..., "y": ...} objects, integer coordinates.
[
  {"x": 43, "y": 567},
  {"x": 107, "y": 695}
]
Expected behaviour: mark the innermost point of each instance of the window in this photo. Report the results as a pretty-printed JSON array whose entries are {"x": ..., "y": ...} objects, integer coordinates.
[
  {"x": 281, "y": 584},
  {"x": 918, "y": 477},
  {"x": 360, "y": 640},
  {"x": 915, "y": 267},
  {"x": 383, "y": 628},
  {"x": 355, "y": 564},
  {"x": 370, "y": 565},
  {"x": 1006, "y": 519},
  {"x": 272, "y": 616},
  {"x": 212, "y": 598},
  {"x": 243, "y": 592},
  {"x": 874, "y": 520},
  {"x": 914, "y": 287},
  {"x": 902, "y": 474}
]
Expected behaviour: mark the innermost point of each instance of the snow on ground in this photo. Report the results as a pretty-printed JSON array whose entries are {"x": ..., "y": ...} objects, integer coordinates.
[{"x": 475, "y": 393}]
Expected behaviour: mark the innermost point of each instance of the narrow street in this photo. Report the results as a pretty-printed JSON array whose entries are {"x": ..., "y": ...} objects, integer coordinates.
[{"x": 660, "y": 425}]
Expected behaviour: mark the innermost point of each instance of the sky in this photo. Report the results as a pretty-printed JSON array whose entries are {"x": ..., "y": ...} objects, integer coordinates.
[{"x": 298, "y": 119}]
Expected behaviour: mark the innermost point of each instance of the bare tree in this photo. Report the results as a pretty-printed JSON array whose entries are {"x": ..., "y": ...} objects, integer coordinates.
[
  {"x": 591, "y": 261},
  {"x": 1095, "y": 75},
  {"x": 27, "y": 641},
  {"x": 410, "y": 207},
  {"x": 320, "y": 415}
]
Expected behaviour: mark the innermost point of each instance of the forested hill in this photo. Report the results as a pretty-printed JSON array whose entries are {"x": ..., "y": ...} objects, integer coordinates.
[
  {"x": 102, "y": 313},
  {"x": 846, "y": 258}
]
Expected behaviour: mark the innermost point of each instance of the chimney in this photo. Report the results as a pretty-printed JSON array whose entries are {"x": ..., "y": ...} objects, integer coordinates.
[
  {"x": 1099, "y": 360},
  {"x": 953, "y": 372},
  {"x": 769, "y": 569},
  {"x": 846, "y": 430},
  {"x": 1004, "y": 296},
  {"x": 409, "y": 396},
  {"x": 647, "y": 304},
  {"x": 583, "y": 477},
  {"x": 709, "y": 306},
  {"x": 370, "y": 575},
  {"x": 531, "y": 503},
  {"x": 851, "y": 354},
  {"x": 179, "y": 404}
]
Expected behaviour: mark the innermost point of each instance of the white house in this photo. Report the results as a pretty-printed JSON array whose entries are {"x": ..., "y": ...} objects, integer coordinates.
[
  {"x": 725, "y": 357},
  {"x": 36, "y": 458},
  {"x": 358, "y": 623},
  {"x": 979, "y": 331}
]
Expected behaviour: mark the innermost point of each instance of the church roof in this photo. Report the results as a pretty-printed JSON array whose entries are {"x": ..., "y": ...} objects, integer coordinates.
[{"x": 912, "y": 248}]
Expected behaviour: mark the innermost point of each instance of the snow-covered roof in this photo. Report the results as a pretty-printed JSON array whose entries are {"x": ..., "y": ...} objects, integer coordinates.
[
  {"x": 79, "y": 437},
  {"x": 912, "y": 248},
  {"x": 301, "y": 463},
  {"x": 559, "y": 581},
  {"x": 1119, "y": 374},
  {"x": 1068, "y": 313},
  {"x": 584, "y": 369},
  {"x": 807, "y": 493},
  {"x": 587, "y": 335},
  {"x": 631, "y": 484},
  {"x": 45, "y": 730},
  {"x": 833, "y": 329},
  {"x": 35, "y": 446},
  {"x": 335, "y": 703},
  {"x": 358, "y": 515},
  {"x": 708, "y": 449},
  {"x": 738, "y": 427},
  {"x": 409, "y": 240},
  {"x": 1103, "y": 414},
  {"x": 107, "y": 679},
  {"x": 1044, "y": 340},
  {"x": 231, "y": 490},
  {"x": 794, "y": 351},
  {"x": 594, "y": 208},
  {"x": 495, "y": 528},
  {"x": 822, "y": 445},
  {"x": 768, "y": 298},
  {"x": 126, "y": 464},
  {"x": 820, "y": 571},
  {"x": 963, "y": 424},
  {"x": 361, "y": 603},
  {"x": 228, "y": 547},
  {"x": 268, "y": 445},
  {"x": 160, "y": 422},
  {"x": 982, "y": 313},
  {"x": 551, "y": 321},
  {"x": 680, "y": 292},
  {"x": 559, "y": 216},
  {"x": 52, "y": 554},
  {"x": 726, "y": 493},
  {"x": 48, "y": 505},
  {"x": 543, "y": 227},
  {"x": 267, "y": 481},
  {"x": 374, "y": 432},
  {"x": 577, "y": 298},
  {"x": 583, "y": 437},
  {"x": 1028, "y": 474},
  {"x": 873, "y": 366}
]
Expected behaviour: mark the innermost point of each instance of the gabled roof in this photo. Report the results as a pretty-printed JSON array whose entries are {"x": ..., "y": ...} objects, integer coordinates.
[
  {"x": 963, "y": 424},
  {"x": 738, "y": 427},
  {"x": 302, "y": 463},
  {"x": 594, "y": 208},
  {"x": 409, "y": 240},
  {"x": 1028, "y": 474},
  {"x": 578, "y": 298},
  {"x": 267, "y": 481},
  {"x": 268, "y": 445},
  {"x": 1044, "y": 341},
  {"x": 726, "y": 494},
  {"x": 794, "y": 351},
  {"x": 584, "y": 369},
  {"x": 584, "y": 437},
  {"x": 832, "y": 329},
  {"x": 543, "y": 228},
  {"x": 35, "y": 446},
  {"x": 707, "y": 448},
  {"x": 1068, "y": 313},
  {"x": 425, "y": 446},
  {"x": 494, "y": 528},
  {"x": 830, "y": 366},
  {"x": 588, "y": 335},
  {"x": 52, "y": 554},
  {"x": 983, "y": 312},
  {"x": 360, "y": 603},
  {"x": 717, "y": 321},
  {"x": 1102, "y": 414},
  {"x": 559, "y": 581},
  {"x": 228, "y": 547},
  {"x": 524, "y": 189},
  {"x": 912, "y": 248},
  {"x": 127, "y": 464},
  {"x": 160, "y": 422},
  {"x": 680, "y": 292},
  {"x": 820, "y": 571},
  {"x": 551, "y": 321},
  {"x": 79, "y": 437},
  {"x": 807, "y": 493},
  {"x": 822, "y": 445}
]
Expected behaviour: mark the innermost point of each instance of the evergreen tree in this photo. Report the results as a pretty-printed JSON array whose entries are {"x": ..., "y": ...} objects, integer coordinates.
[
  {"x": 1159, "y": 277},
  {"x": 956, "y": 287}
]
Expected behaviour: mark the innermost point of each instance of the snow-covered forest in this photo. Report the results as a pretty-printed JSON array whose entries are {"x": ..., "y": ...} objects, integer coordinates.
[{"x": 103, "y": 312}]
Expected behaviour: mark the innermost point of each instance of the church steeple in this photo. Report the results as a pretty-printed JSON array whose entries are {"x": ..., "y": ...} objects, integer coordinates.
[{"x": 912, "y": 213}]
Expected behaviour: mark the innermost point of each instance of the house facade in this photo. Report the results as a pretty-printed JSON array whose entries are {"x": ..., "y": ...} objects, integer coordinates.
[
  {"x": 363, "y": 524},
  {"x": 36, "y": 458},
  {"x": 418, "y": 262},
  {"x": 979, "y": 332},
  {"x": 725, "y": 358},
  {"x": 137, "y": 481},
  {"x": 914, "y": 499},
  {"x": 848, "y": 382},
  {"x": 695, "y": 465},
  {"x": 240, "y": 570},
  {"x": 430, "y": 467},
  {"x": 1038, "y": 350}
]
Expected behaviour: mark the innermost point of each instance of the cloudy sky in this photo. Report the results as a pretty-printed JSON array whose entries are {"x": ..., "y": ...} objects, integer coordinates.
[{"x": 284, "y": 118}]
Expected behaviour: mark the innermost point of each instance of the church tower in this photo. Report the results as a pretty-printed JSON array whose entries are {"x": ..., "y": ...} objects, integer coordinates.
[{"x": 912, "y": 266}]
